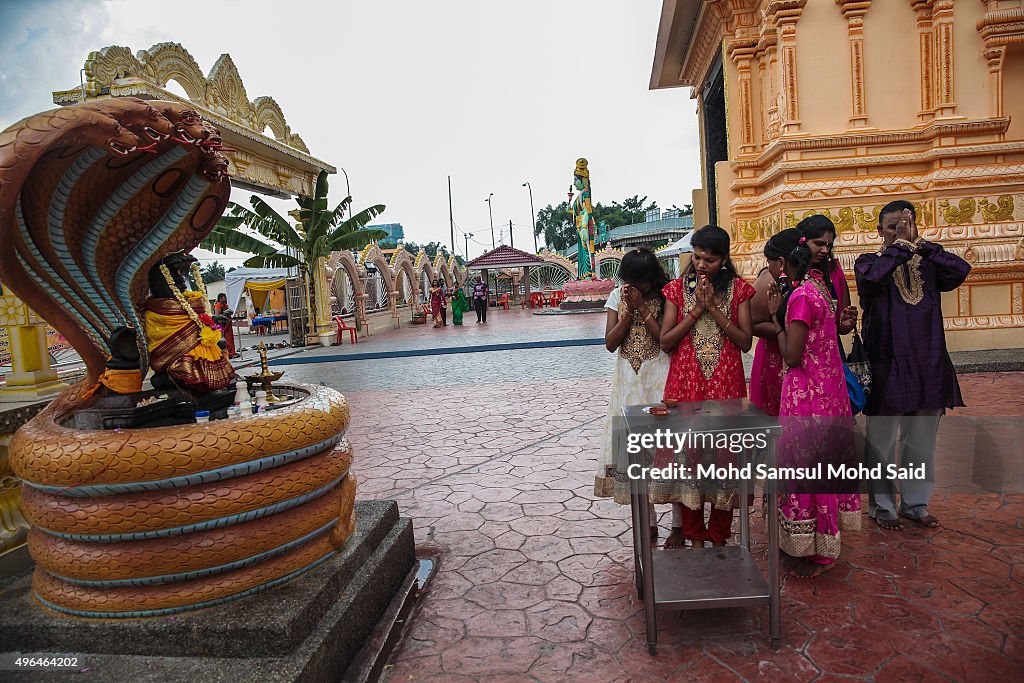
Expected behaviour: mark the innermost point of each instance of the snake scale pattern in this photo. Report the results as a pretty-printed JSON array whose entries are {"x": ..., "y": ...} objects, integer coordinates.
[{"x": 148, "y": 522}]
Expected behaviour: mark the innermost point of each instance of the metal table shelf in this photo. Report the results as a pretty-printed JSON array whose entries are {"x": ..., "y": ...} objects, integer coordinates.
[{"x": 708, "y": 578}]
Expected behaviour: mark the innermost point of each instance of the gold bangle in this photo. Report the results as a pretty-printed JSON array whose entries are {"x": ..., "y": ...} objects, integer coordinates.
[{"x": 726, "y": 328}]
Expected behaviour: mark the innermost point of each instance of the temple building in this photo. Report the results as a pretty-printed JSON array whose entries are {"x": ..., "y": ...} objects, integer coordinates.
[{"x": 839, "y": 106}]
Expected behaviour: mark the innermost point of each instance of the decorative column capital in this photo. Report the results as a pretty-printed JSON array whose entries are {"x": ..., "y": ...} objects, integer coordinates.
[
  {"x": 767, "y": 39},
  {"x": 852, "y": 9},
  {"x": 784, "y": 13},
  {"x": 922, "y": 6},
  {"x": 1002, "y": 27},
  {"x": 742, "y": 49}
]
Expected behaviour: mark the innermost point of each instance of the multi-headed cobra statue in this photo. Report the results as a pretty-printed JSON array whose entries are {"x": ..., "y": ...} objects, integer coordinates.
[{"x": 99, "y": 204}]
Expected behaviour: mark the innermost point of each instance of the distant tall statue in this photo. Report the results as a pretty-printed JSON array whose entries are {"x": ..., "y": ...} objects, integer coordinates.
[{"x": 583, "y": 220}]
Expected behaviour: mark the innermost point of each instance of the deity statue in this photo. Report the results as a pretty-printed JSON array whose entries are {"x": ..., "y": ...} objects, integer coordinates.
[
  {"x": 100, "y": 203},
  {"x": 186, "y": 345},
  {"x": 583, "y": 220}
]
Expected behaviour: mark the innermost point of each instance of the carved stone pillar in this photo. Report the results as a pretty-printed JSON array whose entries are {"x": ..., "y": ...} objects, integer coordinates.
[
  {"x": 762, "y": 94},
  {"x": 926, "y": 58},
  {"x": 742, "y": 50},
  {"x": 785, "y": 14},
  {"x": 360, "y": 300},
  {"x": 999, "y": 28},
  {"x": 854, "y": 11},
  {"x": 995, "y": 56},
  {"x": 321, "y": 294},
  {"x": 768, "y": 66},
  {"x": 942, "y": 20},
  {"x": 393, "y": 303}
]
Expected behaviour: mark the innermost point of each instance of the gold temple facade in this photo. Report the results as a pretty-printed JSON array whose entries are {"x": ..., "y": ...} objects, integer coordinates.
[
  {"x": 278, "y": 164},
  {"x": 840, "y": 106}
]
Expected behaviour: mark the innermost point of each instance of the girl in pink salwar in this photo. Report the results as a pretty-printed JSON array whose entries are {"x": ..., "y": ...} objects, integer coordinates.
[
  {"x": 768, "y": 369},
  {"x": 814, "y": 413}
]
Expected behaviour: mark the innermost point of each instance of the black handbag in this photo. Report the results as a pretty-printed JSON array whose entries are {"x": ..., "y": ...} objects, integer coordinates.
[{"x": 858, "y": 363}]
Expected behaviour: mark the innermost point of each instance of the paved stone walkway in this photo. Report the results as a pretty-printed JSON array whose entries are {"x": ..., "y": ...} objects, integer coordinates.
[{"x": 492, "y": 456}]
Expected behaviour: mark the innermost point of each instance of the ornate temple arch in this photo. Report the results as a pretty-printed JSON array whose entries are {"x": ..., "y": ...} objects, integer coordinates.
[
  {"x": 341, "y": 266},
  {"x": 608, "y": 261},
  {"x": 165, "y": 62},
  {"x": 372, "y": 258},
  {"x": 442, "y": 270},
  {"x": 401, "y": 263},
  {"x": 423, "y": 267},
  {"x": 556, "y": 271},
  {"x": 280, "y": 165}
]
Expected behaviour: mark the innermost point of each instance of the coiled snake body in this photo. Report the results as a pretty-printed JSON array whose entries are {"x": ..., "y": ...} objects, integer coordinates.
[{"x": 144, "y": 522}]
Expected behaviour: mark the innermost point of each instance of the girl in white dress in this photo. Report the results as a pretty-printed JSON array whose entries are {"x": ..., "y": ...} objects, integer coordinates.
[{"x": 633, "y": 329}]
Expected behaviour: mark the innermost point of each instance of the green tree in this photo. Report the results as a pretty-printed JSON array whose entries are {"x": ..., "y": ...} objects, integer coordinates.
[
  {"x": 411, "y": 247},
  {"x": 320, "y": 231},
  {"x": 555, "y": 224},
  {"x": 433, "y": 247},
  {"x": 627, "y": 212},
  {"x": 213, "y": 272}
]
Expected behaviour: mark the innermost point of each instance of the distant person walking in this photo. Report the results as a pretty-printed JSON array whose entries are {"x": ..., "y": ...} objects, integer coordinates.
[
  {"x": 459, "y": 305},
  {"x": 444, "y": 302},
  {"x": 436, "y": 297},
  {"x": 480, "y": 294},
  {"x": 220, "y": 309},
  {"x": 913, "y": 379}
]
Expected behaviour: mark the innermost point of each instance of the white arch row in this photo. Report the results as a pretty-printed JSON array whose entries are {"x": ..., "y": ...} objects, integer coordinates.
[
  {"x": 369, "y": 281},
  {"x": 557, "y": 269}
]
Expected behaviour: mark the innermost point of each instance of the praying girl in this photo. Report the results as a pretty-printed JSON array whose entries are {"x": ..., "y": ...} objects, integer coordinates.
[
  {"x": 707, "y": 326},
  {"x": 633, "y": 332},
  {"x": 817, "y": 425}
]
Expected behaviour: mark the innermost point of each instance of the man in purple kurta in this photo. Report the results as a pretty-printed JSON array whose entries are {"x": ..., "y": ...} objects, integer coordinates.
[{"x": 913, "y": 379}]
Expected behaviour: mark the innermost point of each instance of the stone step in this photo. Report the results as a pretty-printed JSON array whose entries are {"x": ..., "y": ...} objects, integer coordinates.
[{"x": 310, "y": 628}]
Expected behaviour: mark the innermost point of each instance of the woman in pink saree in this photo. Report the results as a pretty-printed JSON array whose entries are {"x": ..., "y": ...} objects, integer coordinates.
[{"x": 814, "y": 412}]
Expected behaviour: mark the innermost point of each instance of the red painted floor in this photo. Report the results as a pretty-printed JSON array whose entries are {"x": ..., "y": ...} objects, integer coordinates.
[{"x": 535, "y": 580}]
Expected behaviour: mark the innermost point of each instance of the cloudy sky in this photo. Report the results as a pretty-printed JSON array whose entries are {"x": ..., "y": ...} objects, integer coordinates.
[{"x": 404, "y": 93}]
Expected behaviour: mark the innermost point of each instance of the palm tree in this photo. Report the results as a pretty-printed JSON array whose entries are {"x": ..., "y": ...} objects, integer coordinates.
[{"x": 320, "y": 231}]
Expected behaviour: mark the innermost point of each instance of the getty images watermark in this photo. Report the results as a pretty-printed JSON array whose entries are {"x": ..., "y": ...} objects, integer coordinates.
[{"x": 665, "y": 440}]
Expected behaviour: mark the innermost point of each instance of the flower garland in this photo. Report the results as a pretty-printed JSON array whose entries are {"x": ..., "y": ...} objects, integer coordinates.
[
  {"x": 197, "y": 275},
  {"x": 209, "y": 331}
]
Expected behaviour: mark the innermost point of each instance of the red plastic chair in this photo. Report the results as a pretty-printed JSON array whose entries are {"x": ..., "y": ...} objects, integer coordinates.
[
  {"x": 502, "y": 301},
  {"x": 342, "y": 328}
]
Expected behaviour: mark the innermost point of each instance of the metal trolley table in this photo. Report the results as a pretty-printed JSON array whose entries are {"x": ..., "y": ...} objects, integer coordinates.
[{"x": 706, "y": 578}]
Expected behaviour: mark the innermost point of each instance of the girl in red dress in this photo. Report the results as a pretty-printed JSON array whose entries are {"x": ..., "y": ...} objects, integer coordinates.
[{"x": 706, "y": 327}]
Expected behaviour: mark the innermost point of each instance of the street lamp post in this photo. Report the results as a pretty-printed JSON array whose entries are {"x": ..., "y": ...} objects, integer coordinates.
[
  {"x": 533, "y": 216},
  {"x": 467, "y": 235},
  {"x": 491, "y": 216}
]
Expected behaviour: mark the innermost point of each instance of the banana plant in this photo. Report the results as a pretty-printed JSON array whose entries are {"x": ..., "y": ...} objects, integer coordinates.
[{"x": 320, "y": 231}]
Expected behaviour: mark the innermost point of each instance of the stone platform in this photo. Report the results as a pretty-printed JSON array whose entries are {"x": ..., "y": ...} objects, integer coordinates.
[{"x": 311, "y": 628}]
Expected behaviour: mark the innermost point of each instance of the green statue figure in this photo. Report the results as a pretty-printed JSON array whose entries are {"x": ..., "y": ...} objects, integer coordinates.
[{"x": 583, "y": 220}]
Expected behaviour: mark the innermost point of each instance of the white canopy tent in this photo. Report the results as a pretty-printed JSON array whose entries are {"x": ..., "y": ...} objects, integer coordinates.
[
  {"x": 680, "y": 246},
  {"x": 236, "y": 282}
]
